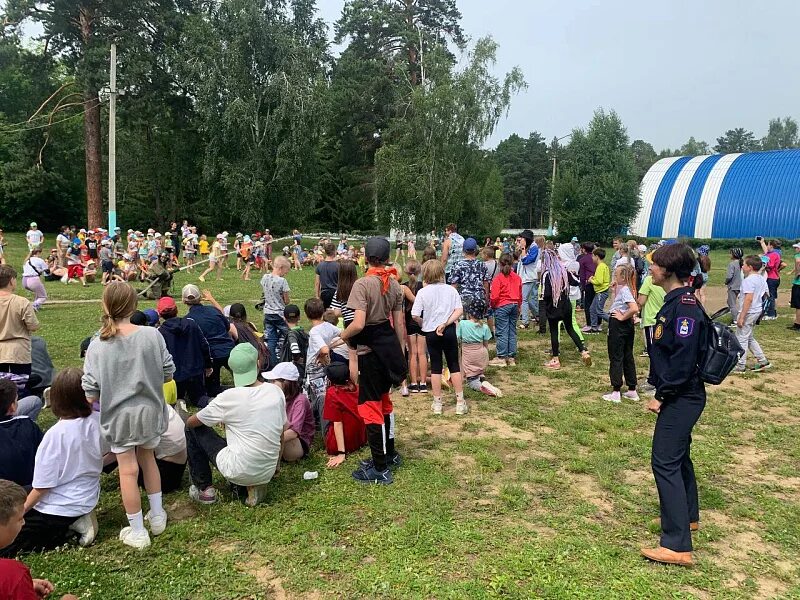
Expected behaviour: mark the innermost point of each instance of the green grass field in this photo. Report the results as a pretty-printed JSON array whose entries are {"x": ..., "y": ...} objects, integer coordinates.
[{"x": 545, "y": 493}]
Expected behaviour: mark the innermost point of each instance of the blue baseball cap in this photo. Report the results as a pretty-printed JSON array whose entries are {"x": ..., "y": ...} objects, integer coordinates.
[
  {"x": 470, "y": 245},
  {"x": 152, "y": 316}
]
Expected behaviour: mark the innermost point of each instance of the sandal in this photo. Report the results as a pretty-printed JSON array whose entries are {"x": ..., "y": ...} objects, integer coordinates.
[{"x": 554, "y": 364}]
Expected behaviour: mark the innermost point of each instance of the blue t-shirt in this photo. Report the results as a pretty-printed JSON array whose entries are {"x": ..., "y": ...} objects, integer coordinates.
[
  {"x": 215, "y": 327},
  {"x": 470, "y": 332}
]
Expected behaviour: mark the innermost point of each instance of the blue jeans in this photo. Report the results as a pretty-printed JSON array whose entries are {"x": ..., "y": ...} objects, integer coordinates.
[
  {"x": 530, "y": 301},
  {"x": 275, "y": 328},
  {"x": 771, "y": 308},
  {"x": 596, "y": 312},
  {"x": 505, "y": 329}
]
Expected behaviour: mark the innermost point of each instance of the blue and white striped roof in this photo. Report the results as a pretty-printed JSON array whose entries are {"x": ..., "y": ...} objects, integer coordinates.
[{"x": 722, "y": 196}]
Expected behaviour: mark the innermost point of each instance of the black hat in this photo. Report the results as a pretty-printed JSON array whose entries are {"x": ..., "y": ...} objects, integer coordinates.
[
  {"x": 338, "y": 373},
  {"x": 377, "y": 249},
  {"x": 292, "y": 311},
  {"x": 527, "y": 235}
]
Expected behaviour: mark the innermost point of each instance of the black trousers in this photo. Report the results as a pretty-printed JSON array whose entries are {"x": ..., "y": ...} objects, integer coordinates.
[
  {"x": 212, "y": 381},
  {"x": 171, "y": 474},
  {"x": 446, "y": 344},
  {"x": 673, "y": 469},
  {"x": 587, "y": 295},
  {"x": 194, "y": 390},
  {"x": 554, "y": 344},
  {"x": 620, "y": 353},
  {"x": 202, "y": 446},
  {"x": 41, "y": 532}
]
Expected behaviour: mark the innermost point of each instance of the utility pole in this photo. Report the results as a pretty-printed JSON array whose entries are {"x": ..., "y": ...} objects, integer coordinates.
[
  {"x": 552, "y": 189},
  {"x": 112, "y": 145}
]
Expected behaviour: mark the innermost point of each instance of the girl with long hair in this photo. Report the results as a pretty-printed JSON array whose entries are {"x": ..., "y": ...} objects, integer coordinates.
[
  {"x": 621, "y": 334},
  {"x": 554, "y": 290},
  {"x": 415, "y": 339},
  {"x": 506, "y": 299},
  {"x": 125, "y": 369},
  {"x": 348, "y": 273}
]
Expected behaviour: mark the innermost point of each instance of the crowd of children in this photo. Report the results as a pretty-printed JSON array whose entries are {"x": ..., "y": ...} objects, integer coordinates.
[{"x": 126, "y": 409}]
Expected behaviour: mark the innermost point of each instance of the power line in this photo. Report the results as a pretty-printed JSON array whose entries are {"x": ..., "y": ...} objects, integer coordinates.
[{"x": 99, "y": 102}]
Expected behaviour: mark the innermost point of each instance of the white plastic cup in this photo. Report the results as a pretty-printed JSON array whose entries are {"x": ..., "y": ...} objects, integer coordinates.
[{"x": 309, "y": 475}]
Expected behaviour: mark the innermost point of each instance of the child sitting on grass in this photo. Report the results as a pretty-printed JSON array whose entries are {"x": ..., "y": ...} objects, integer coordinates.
[
  {"x": 346, "y": 432},
  {"x": 621, "y": 334},
  {"x": 66, "y": 476},
  {"x": 15, "y": 578},
  {"x": 474, "y": 336},
  {"x": 20, "y": 436},
  {"x": 298, "y": 433}
]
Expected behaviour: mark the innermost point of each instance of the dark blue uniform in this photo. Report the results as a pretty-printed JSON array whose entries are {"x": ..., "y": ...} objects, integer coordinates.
[{"x": 678, "y": 340}]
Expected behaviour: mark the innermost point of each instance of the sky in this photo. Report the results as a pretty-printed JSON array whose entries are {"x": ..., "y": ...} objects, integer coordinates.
[{"x": 670, "y": 68}]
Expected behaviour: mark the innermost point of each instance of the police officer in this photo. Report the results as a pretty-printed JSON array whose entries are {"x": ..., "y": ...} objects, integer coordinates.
[{"x": 678, "y": 341}]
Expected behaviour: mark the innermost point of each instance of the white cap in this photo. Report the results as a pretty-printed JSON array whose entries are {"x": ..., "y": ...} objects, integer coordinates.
[
  {"x": 797, "y": 245},
  {"x": 33, "y": 224},
  {"x": 158, "y": 235},
  {"x": 191, "y": 294},
  {"x": 284, "y": 370}
]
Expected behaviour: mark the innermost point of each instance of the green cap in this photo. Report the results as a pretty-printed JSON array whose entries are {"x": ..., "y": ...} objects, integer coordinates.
[{"x": 243, "y": 362}]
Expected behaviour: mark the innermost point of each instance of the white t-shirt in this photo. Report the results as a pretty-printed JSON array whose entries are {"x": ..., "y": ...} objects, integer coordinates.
[
  {"x": 38, "y": 265},
  {"x": 69, "y": 463},
  {"x": 173, "y": 440},
  {"x": 322, "y": 335},
  {"x": 756, "y": 285},
  {"x": 63, "y": 241},
  {"x": 34, "y": 237},
  {"x": 254, "y": 418},
  {"x": 435, "y": 303}
]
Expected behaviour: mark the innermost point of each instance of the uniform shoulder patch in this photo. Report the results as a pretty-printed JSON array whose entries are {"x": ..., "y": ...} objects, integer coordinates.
[
  {"x": 684, "y": 326},
  {"x": 688, "y": 299},
  {"x": 659, "y": 331}
]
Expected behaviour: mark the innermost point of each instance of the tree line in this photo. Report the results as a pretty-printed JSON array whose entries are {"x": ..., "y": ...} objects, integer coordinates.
[{"x": 235, "y": 114}]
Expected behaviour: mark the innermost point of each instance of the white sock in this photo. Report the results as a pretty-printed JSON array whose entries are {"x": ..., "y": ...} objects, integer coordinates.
[
  {"x": 155, "y": 503},
  {"x": 136, "y": 521},
  {"x": 460, "y": 397}
]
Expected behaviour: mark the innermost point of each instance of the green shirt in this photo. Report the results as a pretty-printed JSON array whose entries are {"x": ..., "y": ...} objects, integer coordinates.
[
  {"x": 655, "y": 300},
  {"x": 797, "y": 277},
  {"x": 601, "y": 278},
  {"x": 470, "y": 332}
]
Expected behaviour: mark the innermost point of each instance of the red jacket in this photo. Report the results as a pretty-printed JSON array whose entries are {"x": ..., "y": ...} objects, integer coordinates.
[{"x": 506, "y": 289}]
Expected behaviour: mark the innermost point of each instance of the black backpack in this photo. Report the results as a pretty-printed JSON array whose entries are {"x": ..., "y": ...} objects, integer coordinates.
[
  {"x": 722, "y": 352},
  {"x": 299, "y": 337}
]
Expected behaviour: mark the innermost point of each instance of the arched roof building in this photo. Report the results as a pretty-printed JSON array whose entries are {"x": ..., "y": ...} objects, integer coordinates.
[{"x": 722, "y": 196}]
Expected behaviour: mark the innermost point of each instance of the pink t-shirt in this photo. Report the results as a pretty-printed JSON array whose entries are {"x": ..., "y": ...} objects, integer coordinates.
[
  {"x": 300, "y": 418},
  {"x": 773, "y": 264}
]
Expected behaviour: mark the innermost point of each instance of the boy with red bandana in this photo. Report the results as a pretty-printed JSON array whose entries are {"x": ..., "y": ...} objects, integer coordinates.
[{"x": 381, "y": 362}]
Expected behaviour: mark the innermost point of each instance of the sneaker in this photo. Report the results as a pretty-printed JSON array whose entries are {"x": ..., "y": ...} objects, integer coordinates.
[
  {"x": 436, "y": 407},
  {"x": 87, "y": 527},
  {"x": 404, "y": 391},
  {"x": 522, "y": 326},
  {"x": 135, "y": 539},
  {"x": 393, "y": 462},
  {"x": 587, "y": 329},
  {"x": 462, "y": 408},
  {"x": 631, "y": 395},
  {"x": 770, "y": 318},
  {"x": 612, "y": 397},
  {"x": 593, "y": 331},
  {"x": 762, "y": 366},
  {"x": 490, "y": 390},
  {"x": 158, "y": 522},
  {"x": 739, "y": 370},
  {"x": 646, "y": 388},
  {"x": 46, "y": 397},
  {"x": 422, "y": 388},
  {"x": 207, "y": 496},
  {"x": 413, "y": 389},
  {"x": 511, "y": 362},
  {"x": 370, "y": 475},
  {"x": 497, "y": 362},
  {"x": 644, "y": 354},
  {"x": 794, "y": 327},
  {"x": 255, "y": 495}
]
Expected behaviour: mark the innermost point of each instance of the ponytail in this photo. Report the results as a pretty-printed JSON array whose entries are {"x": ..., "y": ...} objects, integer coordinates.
[
  {"x": 506, "y": 264},
  {"x": 119, "y": 302}
]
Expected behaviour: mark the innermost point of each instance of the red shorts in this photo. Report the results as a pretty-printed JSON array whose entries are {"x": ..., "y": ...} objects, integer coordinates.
[{"x": 75, "y": 271}]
